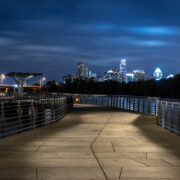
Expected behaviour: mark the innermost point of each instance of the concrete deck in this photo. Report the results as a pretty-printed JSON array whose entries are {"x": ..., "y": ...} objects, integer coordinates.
[{"x": 93, "y": 143}]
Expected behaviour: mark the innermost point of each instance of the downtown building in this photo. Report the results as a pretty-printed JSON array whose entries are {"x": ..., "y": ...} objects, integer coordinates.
[
  {"x": 113, "y": 75},
  {"x": 82, "y": 70},
  {"x": 140, "y": 75},
  {"x": 70, "y": 78}
]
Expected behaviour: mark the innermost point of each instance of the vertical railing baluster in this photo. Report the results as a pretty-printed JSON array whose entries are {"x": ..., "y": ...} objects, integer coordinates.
[
  {"x": 80, "y": 99},
  {"x": 117, "y": 101},
  {"x": 138, "y": 104},
  {"x": 159, "y": 113},
  {"x": 155, "y": 107},
  {"x": 172, "y": 118},
  {"x": 111, "y": 101},
  {"x": 166, "y": 117},
  {"x": 129, "y": 103},
  {"x": 143, "y": 105},
  {"x": 123, "y": 103},
  {"x": 120, "y": 102},
  {"x": 178, "y": 119},
  {"x": 134, "y": 102},
  {"x": 33, "y": 116},
  {"x": 114, "y": 104},
  {"x": 19, "y": 117},
  {"x": 149, "y": 106},
  {"x": 127, "y": 100},
  {"x": 2, "y": 119}
]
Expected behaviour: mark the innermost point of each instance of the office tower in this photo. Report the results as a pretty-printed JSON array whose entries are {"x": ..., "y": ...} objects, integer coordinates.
[
  {"x": 82, "y": 69},
  {"x": 123, "y": 66},
  {"x": 158, "y": 74}
]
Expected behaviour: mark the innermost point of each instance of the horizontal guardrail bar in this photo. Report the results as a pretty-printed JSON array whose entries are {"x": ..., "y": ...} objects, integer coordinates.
[
  {"x": 167, "y": 112},
  {"x": 17, "y": 116}
]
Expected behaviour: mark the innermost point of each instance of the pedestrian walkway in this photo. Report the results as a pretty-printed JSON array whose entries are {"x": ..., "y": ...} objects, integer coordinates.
[{"x": 93, "y": 143}]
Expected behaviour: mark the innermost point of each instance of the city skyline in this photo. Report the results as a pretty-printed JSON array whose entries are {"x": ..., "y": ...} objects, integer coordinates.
[
  {"x": 52, "y": 36},
  {"x": 83, "y": 71}
]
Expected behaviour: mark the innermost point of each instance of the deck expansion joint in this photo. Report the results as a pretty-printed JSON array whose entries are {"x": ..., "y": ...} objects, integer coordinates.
[
  {"x": 120, "y": 173},
  {"x": 113, "y": 146},
  {"x": 91, "y": 146}
]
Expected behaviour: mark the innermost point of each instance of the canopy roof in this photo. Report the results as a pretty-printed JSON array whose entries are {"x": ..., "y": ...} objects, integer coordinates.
[{"x": 20, "y": 74}]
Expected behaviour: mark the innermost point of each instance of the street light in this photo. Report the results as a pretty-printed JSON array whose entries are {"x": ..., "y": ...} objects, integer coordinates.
[
  {"x": 41, "y": 81},
  {"x": 2, "y": 78}
]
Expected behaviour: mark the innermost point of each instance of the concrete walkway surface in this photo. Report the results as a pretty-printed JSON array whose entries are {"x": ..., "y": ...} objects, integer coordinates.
[{"x": 93, "y": 143}]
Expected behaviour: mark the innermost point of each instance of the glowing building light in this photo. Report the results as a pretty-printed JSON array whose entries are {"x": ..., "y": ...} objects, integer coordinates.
[
  {"x": 123, "y": 66},
  {"x": 158, "y": 74},
  {"x": 130, "y": 75},
  {"x": 110, "y": 71},
  {"x": 42, "y": 80},
  {"x": 2, "y": 76},
  {"x": 170, "y": 76}
]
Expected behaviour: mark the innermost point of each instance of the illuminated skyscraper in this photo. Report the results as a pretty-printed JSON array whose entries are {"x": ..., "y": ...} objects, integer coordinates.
[
  {"x": 82, "y": 69},
  {"x": 123, "y": 66},
  {"x": 158, "y": 74}
]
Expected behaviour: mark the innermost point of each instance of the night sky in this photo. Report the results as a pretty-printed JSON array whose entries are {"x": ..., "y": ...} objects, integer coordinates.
[{"x": 51, "y": 36}]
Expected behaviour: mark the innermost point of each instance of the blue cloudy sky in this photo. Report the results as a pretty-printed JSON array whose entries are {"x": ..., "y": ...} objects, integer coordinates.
[{"x": 51, "y": 36}]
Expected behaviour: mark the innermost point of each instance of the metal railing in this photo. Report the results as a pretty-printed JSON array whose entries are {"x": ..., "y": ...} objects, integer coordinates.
[
  {"x": 17, "y": 116},
  {"x": 129, "y": 103},
  {"x": 28, "y": 111},
  {"x": 168, "y": 116},
  {"x": 167, "y": 112},
  {"x": 17, "y": 96}
]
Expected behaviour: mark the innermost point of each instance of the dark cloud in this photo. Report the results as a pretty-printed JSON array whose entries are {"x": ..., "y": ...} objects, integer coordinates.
[{"x": 51, "y": 36}]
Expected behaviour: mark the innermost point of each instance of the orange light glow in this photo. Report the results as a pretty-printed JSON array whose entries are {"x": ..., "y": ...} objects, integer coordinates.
[{"x": 77, "y": 99}]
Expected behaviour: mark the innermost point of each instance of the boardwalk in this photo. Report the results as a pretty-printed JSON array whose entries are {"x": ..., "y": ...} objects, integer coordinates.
[{"x": 93, "y": 143}]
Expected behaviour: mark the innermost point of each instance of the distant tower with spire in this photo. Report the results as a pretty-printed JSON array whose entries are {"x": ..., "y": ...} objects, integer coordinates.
[{"x": 123, "y": 66}]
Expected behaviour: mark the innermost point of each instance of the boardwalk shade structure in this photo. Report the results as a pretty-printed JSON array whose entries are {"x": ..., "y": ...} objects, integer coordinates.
[{"x": 22, "y": 78}]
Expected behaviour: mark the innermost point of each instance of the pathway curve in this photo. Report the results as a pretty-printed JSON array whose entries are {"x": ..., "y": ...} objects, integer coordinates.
[{"x": 93, "y": 143}]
